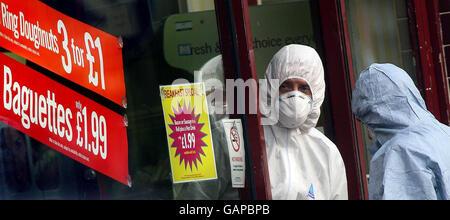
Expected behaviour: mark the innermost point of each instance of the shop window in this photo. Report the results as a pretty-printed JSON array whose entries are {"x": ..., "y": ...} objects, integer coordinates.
[
  {"x": 164, "y": 41},
  {"x": 164, "y": 45},
  {"x": 31, "y": 170}
]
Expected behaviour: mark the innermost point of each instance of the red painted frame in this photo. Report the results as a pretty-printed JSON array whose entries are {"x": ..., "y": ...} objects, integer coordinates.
[
  {"x": 438, "y": 60},
  {"x": 427, "y": 40},
  {"x": 242, "y": 37},
  {"x": 339, "y": 69}
]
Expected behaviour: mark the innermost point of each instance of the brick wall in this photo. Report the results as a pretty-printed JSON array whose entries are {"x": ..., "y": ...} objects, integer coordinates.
[{"x": 444, "y": 9}]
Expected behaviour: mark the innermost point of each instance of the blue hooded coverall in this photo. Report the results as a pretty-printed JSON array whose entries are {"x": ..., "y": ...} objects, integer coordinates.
[{"x": 413, "y": 156}]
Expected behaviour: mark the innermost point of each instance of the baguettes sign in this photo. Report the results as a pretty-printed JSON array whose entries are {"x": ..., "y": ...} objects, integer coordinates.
[
  {"x": 65, "y": 46},
  {"x": 63, "y": 119}
]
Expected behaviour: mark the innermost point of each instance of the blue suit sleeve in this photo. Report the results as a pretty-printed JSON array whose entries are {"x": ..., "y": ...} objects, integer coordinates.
[{"x": 407, "y": 176}]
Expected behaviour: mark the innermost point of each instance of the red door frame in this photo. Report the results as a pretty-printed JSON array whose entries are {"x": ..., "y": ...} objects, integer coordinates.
[
  {"x": 438, "y": 60},
  {"x": 239, "y": 63},
  {"x": 427, "y": 43},
  {"x": 339, "y": 69}
]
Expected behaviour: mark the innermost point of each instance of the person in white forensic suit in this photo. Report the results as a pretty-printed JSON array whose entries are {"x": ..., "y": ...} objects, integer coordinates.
[{"x": 303, "y": 163}]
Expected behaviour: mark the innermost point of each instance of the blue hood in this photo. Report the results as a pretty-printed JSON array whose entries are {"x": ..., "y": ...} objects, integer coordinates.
[
  {"x": 413, "y": 156},
  {"x": 386, "y": 99}
]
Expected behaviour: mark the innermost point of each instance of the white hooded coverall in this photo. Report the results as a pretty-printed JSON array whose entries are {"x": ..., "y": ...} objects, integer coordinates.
[{"x": 303, "y": 163}]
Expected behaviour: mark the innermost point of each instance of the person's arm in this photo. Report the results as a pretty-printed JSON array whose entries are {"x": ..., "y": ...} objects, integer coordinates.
[{"x": 406, "y": 176}]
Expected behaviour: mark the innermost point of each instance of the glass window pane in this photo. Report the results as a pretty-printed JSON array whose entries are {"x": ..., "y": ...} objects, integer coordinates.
[
  {"x": 31, "y": 170},
  {"x": 164, "y": 41},
  {"x": 379, "y": 33}
]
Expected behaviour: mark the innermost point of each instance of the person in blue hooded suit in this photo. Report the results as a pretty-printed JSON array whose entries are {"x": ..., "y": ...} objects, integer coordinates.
[{"x": 412, "y": 161}]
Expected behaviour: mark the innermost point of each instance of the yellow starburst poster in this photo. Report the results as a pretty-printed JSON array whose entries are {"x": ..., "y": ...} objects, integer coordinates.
[{"x": 188, "y": 132}]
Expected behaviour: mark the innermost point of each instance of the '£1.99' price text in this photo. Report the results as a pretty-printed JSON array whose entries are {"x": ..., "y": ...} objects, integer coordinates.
[{"x": 94, "y": 140}]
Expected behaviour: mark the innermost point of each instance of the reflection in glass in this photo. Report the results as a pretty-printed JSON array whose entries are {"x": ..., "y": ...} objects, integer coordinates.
[{"x": 379, "y": 33}]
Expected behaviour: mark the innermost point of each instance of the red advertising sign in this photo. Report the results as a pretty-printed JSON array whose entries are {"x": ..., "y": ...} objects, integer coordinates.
[
  {"x": 65, "y": 46},
  {"x": 63, "y": 119}
]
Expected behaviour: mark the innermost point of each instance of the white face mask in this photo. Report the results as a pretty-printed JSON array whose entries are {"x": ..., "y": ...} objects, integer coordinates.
[{"x": 294, "y": 109}]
